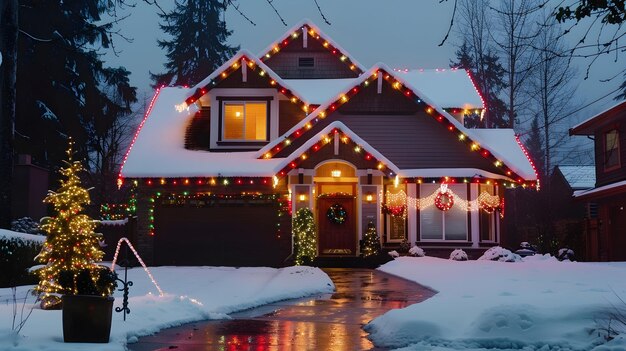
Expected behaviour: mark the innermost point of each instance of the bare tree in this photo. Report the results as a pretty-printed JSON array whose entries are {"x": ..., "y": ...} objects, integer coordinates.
[
  {"x": 513, "y": 35},
  {"x": 551, "y": 91}
]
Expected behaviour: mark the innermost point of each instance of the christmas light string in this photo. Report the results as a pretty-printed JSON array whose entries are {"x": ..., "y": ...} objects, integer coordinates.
[
  {"x": 274, "y": 148},
  {"x": 315, "y": 33},
  {"x": 397, "y": 203},
  {"x": 145, "y": 268},
  {"x": 120, "y": 178}
]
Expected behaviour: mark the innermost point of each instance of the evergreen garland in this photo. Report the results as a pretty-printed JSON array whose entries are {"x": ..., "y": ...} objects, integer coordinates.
[
  {"x": 371, "y": 245},
  {"x": 305, "y": 243}
]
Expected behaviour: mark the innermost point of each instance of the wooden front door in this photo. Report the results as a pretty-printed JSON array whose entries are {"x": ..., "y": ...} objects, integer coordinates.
[{"x": 335, "y": 238}]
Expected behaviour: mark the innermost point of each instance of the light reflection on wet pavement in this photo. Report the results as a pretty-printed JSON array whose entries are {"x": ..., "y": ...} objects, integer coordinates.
[{"x": 325, "y": 322}]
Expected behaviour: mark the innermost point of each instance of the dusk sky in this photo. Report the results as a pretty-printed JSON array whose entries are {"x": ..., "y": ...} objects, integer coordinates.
[{"x": 400, "y": 33}]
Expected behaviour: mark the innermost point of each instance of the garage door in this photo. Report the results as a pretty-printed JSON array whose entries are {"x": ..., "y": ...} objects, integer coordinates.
[{"x": 228, "y": 232}]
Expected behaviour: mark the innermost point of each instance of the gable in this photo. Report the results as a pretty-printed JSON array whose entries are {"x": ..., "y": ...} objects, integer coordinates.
[
  {"x": 305, "y": 53},
  {"x": 449, "y": 144}
]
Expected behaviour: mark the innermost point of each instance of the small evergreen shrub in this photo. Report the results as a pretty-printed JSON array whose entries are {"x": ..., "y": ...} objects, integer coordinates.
[
  {"x": 501, "y": 254},
  {"x": 417, "y": 251},
  {"x": 565, "y": 254},
  {"x": 404, "y": 246},
  {"x": 16, "y": 257},
  {"x": 394, "y": 254},
  {"x": 305, "y": 243},
  {"x": 26, "y": 225},
  {"x": 458, "y": 255},
  {"x": 371, "y": 245}
]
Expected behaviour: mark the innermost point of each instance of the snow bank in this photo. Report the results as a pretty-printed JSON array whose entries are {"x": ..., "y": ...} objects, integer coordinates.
[
  {"x": 21, "y": 236},
  {"x": 536, "y": 303},
  {"x": 498, "y": 253},
  {"x": 192, "y": 293}
]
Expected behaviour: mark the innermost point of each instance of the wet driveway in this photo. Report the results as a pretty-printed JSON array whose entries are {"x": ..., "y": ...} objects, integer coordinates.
[{"x": 325, "y": 322}]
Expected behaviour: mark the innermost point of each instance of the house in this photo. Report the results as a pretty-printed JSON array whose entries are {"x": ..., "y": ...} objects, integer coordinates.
[
  {"x": 219, "y": 168},
  {"x": 607, "y": 236}
]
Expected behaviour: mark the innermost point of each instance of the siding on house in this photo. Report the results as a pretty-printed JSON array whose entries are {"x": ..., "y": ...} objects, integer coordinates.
[
  {"x": 198, "y": 130},
  {"x": 611, "y": 176},
  {"x": 410, "y": 141},
  {"x": 326, "y": 65},
  {"x": 289, "y": 114}
]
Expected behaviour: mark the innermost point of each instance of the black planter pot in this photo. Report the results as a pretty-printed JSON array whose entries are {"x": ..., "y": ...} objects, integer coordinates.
[{"x": 87, "y": 318}]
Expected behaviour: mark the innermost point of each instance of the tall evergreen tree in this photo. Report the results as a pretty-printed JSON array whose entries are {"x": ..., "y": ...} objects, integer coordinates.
[
  {"x": 198, "y": 42},
  {"x": 64, "y": 88},
  {"x": 488, "y": 74}
]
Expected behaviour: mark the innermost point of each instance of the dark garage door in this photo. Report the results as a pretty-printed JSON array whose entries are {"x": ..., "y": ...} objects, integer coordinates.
[{"x": 227, "y": 233}]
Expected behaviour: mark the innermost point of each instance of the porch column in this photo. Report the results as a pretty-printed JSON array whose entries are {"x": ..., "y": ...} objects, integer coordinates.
[
  {"x": 474, "y": 219},
  {"x": 411, "y": 192}
]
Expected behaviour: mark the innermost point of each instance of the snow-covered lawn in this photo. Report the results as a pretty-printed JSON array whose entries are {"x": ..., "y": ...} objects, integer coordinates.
[
  {"x": 537, "y": 304},
  {"x": 191, "y": 294}
]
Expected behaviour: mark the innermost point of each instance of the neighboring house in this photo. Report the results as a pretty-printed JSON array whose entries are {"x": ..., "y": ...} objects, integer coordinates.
[
  {"x": 220, "y": 167},
  {"x": 570, "y": 218},
  {"x": 607, "y": 239}
]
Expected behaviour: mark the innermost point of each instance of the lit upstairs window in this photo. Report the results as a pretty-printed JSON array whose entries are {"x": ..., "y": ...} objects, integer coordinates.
[{"x": 245, "y": 121}]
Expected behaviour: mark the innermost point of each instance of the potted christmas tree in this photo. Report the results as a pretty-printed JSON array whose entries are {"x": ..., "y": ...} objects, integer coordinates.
[{"x": 69, "y": 256}]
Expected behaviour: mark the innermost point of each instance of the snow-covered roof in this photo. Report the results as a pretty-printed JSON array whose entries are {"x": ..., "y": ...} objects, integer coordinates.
[
  {"x": 247, "y": 55},
  {"x": 159, "y": 149},
  {"x": 318, "y": 31},
  {"x": 613, "y": 186},
  {"x": 579, "y": 177},
  {"x": 501, "y": 143},
  {"x": 450, "y": 88},
  {"x": 448, "y": 172},
  {"x": 318, "y": 91},
  {"x": 582, "y": 128}
]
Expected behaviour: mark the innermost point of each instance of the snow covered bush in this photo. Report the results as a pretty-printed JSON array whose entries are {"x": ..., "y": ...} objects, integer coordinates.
[
  {"x": 394, "y": 254},
  {"x": 458, "y": 255},
  {"x": 498, "y": 253},
  {"x": 16, "y": 256},
  {"x": 26, "y": 225},
  {"x": 526, "y": 249},
  {"x": 417, "y": 251},
  {"x": 565, "y": 254}
]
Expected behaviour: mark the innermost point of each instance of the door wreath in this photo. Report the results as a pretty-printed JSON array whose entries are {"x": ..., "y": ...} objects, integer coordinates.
[{"x": 337, "y": 214}]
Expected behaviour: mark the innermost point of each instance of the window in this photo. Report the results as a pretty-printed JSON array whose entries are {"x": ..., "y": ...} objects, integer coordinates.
[
  {"x": 395, "y": 200},
  {"x": 486, "y": 220},
  {"x": 244, "y": 121},
  {"x": 306, "y": 62},
  {"x": 443, "y": 225},
  {"x": 611, "y": 149}
]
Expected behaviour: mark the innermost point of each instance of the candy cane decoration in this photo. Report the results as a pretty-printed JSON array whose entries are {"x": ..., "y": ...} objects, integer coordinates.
[{"x": 145, "y": 268}]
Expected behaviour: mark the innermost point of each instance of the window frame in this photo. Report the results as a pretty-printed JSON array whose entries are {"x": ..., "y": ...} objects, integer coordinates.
[
  {"x": 223, "y": 101},
  {"x": 605, "y": 151},
  {"x": 443, "y": 223},
  {"x": 493, "y": 219}
]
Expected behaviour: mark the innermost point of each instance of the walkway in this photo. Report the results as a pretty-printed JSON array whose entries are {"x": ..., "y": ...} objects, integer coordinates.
[{"x": 327, "y": 322}]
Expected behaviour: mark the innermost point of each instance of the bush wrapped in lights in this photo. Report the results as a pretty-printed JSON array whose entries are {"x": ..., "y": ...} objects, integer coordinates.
[{"x": 305, "y": 244}]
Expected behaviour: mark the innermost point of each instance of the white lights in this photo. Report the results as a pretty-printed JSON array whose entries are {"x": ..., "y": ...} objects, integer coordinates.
[{"x": 335, "y": 173}]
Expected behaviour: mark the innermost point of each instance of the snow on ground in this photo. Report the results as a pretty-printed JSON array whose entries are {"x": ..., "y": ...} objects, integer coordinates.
[
  {"x": 537, "y": 304},
  {"x": 8, "y": 234},
  {"x": 191, "y": 294}
]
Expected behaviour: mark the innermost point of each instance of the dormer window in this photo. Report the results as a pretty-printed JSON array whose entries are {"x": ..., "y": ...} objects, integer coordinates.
[
  {"x": 611, "y": 150},
  {"x": 244, "y": 120}
]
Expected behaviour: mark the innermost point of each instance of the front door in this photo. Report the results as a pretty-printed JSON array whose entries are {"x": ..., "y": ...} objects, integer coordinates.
[{"x": 336, "y": 218}]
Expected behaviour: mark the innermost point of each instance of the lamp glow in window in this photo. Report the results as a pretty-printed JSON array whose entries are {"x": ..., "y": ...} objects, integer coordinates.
[
  {"x": 244, "y": 121},
  {"x": 335, "y": 173},
  {"x": 369, "y": 198}
]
